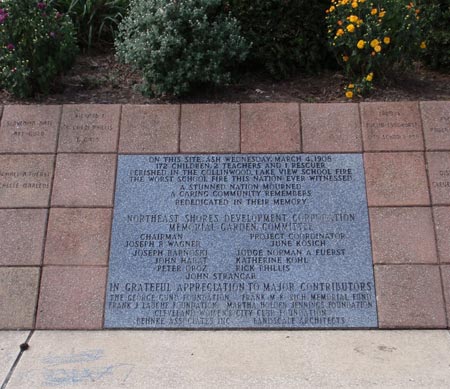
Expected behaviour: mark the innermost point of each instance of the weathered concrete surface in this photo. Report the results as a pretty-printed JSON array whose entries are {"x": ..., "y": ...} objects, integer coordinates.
[
  {"x": 223, "y": 359},
  {"x": 9, "y": 350}
]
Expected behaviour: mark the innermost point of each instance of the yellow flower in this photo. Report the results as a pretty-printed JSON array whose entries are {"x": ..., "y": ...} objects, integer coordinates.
[
  {"x": 351, "y": 28},
  {"x": 381, "y": 14},
  {"x": 354, "y": 4},
  {"x": 360, "y": 45},
  {"x": 374, "y": 42},
  {"x": 353, "y": 18},
  {"x": 345, "y": 58},
  {"x": 423, "y": 45},
  {"x": 351, "y": 86},
  {"x": 332, "y": 8},
  {"x": 386, "y": 40},
  {"x": 377, "y": 48},
  {"x": 349, "y": 94},
  {"x": 369, "y": 77},
  {"x": 374, "y": 11},
  {"x": 340, "y": 32}
]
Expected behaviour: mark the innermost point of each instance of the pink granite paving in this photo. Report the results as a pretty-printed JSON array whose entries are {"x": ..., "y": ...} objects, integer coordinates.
[
  {"x": 71, "y": 298},
  {"x": 439, "y": 174},
  {"x": 442, "y": 222},
  {"x": 149, "y": 129},
  {"x": 19, "y": 288},
  {"x": 89, "y": 128},
  {"x": 22, "y": 233},
  {"x": 410, "y": 296},
  {"x": 78, "y": 236},
  {"x": 329, "y": 128},
  {"x": 403, "y": 235},
  {"x": 407, "y": 246},
  {"x": 267, "y": 128},
  {"x": 25, "y": 180},
  {"x": 212, "y": 128},
  {"x": 29, "y": 128},
  {"x": 436, "y": 124},
  {"x": 391, "y": 126},
  {"x": 396, "y": 179},
  {"x": 84, "y": 180}
]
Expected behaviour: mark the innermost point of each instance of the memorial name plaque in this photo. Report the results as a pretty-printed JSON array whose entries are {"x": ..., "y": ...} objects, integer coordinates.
[{"x": 240, "y": 241}]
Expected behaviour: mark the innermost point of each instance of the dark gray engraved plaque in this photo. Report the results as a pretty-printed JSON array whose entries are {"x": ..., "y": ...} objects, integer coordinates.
[{"x": 240, "y": 241}]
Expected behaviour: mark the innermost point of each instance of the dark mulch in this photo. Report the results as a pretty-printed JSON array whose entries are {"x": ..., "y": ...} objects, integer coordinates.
[{"x": 100, "y": 79}]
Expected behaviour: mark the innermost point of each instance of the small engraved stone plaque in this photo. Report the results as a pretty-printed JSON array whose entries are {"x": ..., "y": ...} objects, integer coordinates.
[{"x": 240, "y": 241}]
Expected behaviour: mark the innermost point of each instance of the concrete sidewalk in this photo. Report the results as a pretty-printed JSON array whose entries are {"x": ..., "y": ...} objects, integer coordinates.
[{"x": 205, "y": 359}]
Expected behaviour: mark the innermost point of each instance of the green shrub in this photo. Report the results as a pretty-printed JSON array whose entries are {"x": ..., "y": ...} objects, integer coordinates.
[
  {"x": 436, "y": 23},
  {"x": 286, "y": 35},
  {"x": 179, "y": 44},
  {"x": 373, "y": 39},
  {"x": 96, "y": 21},
  {"x": 37, "y": 43}
]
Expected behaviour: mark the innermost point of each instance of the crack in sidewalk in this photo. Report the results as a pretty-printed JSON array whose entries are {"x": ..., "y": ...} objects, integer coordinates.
[{"x": 16, "y": 362}]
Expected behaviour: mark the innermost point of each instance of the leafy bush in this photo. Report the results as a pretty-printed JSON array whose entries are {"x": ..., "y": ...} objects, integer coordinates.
[
  {"x": 96, "y": 21},
  {"x": 436, "y": 24},
  {"x": 179, "y": 44},
  {"x": 37, "y": 43},
  {"x": 373, "y": 39},
  {"x": 286, "y": 36}
]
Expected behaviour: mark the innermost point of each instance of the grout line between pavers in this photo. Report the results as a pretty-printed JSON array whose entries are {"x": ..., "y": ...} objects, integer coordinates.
[
  {"x": 16, "y": 362},
  {"x": 433, "y": 219},
  {"x": 112, "y": 218},
  {"x": 52, "y": 181},
  {"x": 370, "y": 239}
]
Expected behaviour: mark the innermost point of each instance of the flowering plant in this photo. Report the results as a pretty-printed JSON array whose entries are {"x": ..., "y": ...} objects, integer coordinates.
[
  {"x": 370, "y": 39},
  {"x": 36, "y": 44}
]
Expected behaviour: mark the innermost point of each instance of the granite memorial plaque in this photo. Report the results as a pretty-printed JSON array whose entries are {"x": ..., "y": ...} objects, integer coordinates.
[{"x": 240, "y": 241}]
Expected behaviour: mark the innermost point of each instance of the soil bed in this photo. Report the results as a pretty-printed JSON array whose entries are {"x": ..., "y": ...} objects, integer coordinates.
[{"x": 99, "y": 78}]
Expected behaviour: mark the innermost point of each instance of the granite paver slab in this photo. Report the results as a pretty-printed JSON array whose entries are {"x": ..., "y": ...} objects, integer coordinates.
[
  {"x": 236, "y": 359},
  {"x": 210, "y": 128},
  {"x": 84, "y": 180},
  {"x": 409, "y": 296},
  {"x": 270, "y": 128},
  {"x": 18, "y": 296},
  {"x": 403, "y": 235},
  {"x": 442, "y": 222},
  {"x": 149, "y": 129},
  {"x": 439, "y": 174},
  {"x": 25, "y": 180},
  {"x": 331, "y": 128},
  {"x": 71, "y": 297},
  {"x": 396, "y": 179},
  {"x": 78, "y": 236},
  {"x": 29, "y": 128},
  {"x": 291, "y": 234},
  {"x": 9, "y": 350},
  {"x": 391, "y": 126},
  {"x": 22, "y": 234},
  {"x": 89, "y": 128},
  {"x": 436, "y": 124},
  {"x": 445, "y": 270}
]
